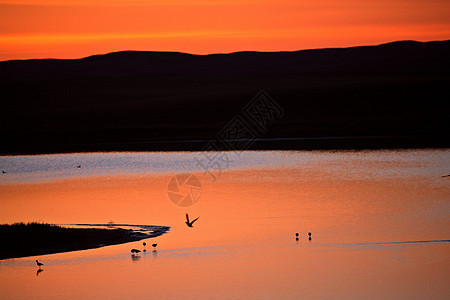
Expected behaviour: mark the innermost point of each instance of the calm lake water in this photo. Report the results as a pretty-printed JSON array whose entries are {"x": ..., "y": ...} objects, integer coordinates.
[{"x": 379, "y": 222}]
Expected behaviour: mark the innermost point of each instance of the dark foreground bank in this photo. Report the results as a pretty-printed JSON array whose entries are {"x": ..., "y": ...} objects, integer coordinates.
[{"x": 20, "y": 239}]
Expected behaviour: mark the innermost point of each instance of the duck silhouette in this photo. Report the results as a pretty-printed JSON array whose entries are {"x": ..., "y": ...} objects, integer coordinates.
[
  {"x": 39, "y": 263},
  {"x": 190, "y": 223}
]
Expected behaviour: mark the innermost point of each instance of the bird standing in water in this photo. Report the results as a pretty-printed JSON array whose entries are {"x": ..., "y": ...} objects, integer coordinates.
[
  {"x": 188, "y": 223},
  {"x": 39, "y": 264}
]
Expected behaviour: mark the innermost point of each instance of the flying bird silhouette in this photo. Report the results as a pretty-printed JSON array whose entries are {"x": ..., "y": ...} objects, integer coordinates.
[
  {"x": 39, "y": 264},
  {"x": 189, "y": 224}
]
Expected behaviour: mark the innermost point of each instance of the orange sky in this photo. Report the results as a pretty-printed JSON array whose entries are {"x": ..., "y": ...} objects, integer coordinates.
[{"x": 78, "y": 28}]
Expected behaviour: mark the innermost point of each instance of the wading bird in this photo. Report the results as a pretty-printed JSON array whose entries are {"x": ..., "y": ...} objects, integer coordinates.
[
  {"x": 144, "y": 243},
  {"x": 154, "y": 245},
  {"x": 189, "y": 224},
  {"x": 39, "y": 264},
  {"x": 135, "y": 251}
]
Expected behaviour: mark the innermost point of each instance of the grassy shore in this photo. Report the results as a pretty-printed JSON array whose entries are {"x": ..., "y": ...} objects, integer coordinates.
[{"x": 20, "y": 239}]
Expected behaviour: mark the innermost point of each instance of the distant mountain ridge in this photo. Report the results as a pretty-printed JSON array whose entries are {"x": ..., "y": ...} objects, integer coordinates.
[
  {"x": 137, "y": 100},
  {"x": 390, "y": 57}
]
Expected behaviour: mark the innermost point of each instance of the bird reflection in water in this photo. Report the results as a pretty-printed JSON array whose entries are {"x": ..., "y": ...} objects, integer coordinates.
[
  {"x": 135, "y": 257},
  {"x": 39, "y": 271}
]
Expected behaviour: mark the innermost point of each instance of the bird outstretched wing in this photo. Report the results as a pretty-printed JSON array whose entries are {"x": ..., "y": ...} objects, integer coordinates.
[
  {"x": 187, "y": 218},
  {"x": 194, "y": 220}
]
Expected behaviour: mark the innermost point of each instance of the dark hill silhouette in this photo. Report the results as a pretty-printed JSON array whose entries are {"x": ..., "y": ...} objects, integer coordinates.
[
  {"x": 392, "y": 57},
  {"x": 140, "y": 100}
]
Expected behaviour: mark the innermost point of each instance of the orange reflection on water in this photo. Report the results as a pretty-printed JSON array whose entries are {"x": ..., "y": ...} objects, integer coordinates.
[{"x": 243, "y": 245}]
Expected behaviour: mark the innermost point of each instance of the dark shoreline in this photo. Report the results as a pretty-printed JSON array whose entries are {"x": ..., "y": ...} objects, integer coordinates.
[
  {"x": 24, "y": 240},
  {"x": 86, "y": 246},
  {"x": 312, "y": 143}
]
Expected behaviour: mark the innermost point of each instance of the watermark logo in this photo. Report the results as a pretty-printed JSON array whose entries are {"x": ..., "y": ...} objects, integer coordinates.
[
  {"x": 262, "y": 110},
  {"x": 184, "y": 189},
  {"x": 239, "y": 134}
]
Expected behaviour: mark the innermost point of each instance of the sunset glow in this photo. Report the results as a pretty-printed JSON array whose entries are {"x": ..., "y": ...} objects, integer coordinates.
[{"x": 73, "y": 29}]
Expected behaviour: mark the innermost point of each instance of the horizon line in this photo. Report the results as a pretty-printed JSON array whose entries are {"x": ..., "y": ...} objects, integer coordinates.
[{"x": 233, "y": 52}]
